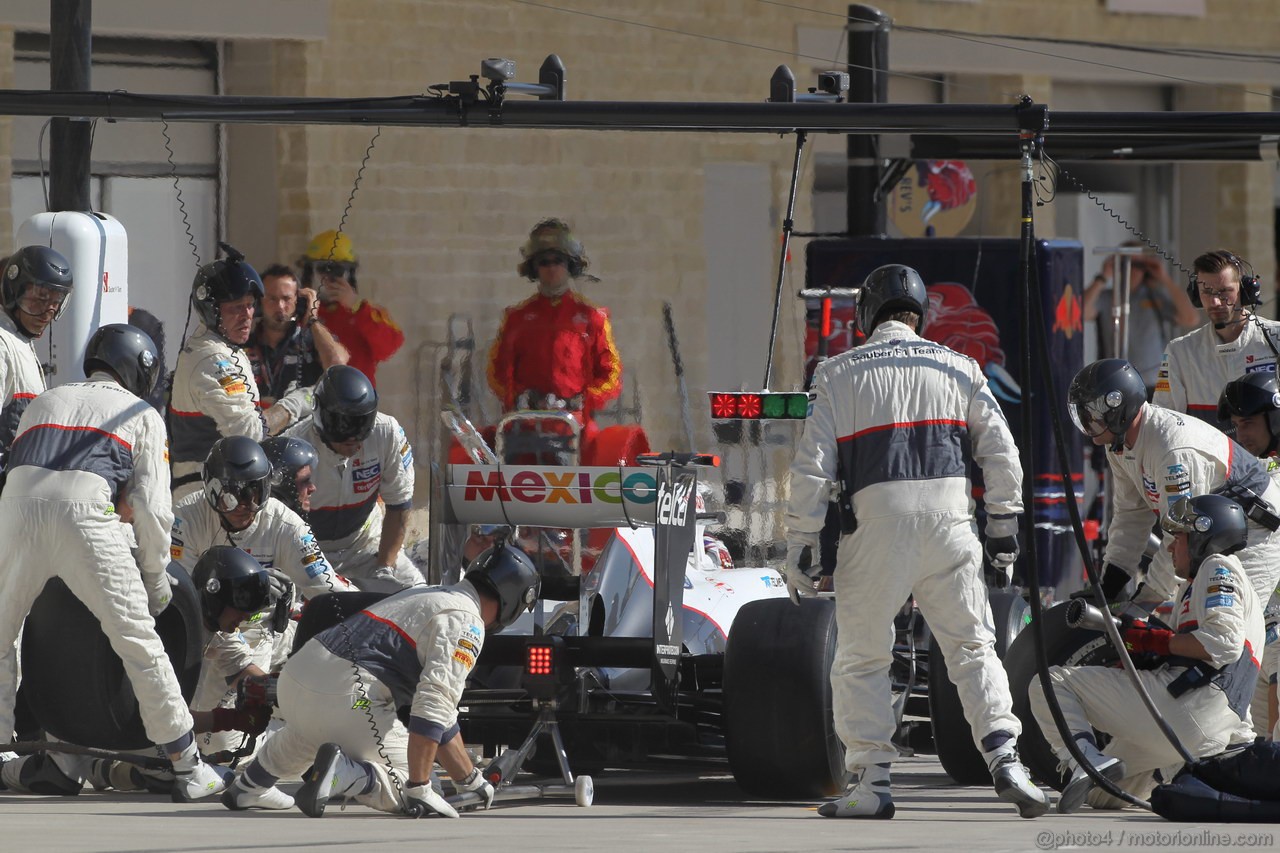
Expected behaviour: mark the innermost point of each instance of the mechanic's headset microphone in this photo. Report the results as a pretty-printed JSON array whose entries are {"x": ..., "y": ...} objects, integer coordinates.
[{"x": 1250, "y": 285}]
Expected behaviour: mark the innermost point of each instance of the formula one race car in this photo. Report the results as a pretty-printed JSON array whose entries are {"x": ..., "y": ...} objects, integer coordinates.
[{"x": 659, "y": 649}]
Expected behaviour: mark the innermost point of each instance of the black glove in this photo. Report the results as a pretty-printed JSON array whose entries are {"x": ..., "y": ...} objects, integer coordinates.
[
  {"x": 1001, "y": 553},
  {"x": 281, "y": 597},
  {"x": 251, "y": 719},
  {"x": 1114, "y": 580}
]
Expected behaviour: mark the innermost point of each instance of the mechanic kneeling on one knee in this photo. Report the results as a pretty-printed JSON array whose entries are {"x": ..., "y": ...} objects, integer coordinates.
[
  {"x": 339, "y": 695},
  {"x": 1200, "y": 674},
  {"x": 892, "y": 422}
]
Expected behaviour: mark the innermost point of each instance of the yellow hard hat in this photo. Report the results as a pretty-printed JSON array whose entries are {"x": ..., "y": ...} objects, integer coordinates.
[{"x": 331, "y": 246}]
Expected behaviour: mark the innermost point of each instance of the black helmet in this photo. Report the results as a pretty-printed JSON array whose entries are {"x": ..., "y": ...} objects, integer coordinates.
[
  {"x": 225, "y": 280},
  {"x": 346, "y": 405},
  {"x": 235, "y": 473},
  {"x": 228, "y": 577},
  {"x": 31, "y": 266},
  {"x": 505, "y": 573},
  {"x": 888, "y": 288},
  {"x": 1252, "y": 394},
  {"x": 1214, "y": 524},
  {"x": 288, "y": 456},
  {"x": 1106, "y": 395},
  {"x": 126, "y": 351}
]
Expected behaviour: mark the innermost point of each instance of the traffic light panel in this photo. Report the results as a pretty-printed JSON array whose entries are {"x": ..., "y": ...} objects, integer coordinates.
[{"x": 759, "y": 405}]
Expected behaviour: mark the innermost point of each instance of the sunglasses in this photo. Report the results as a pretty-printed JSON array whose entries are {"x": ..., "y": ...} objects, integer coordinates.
[
  {"x": 552, "y": 261},
  {"x": 332, "y": 269}
]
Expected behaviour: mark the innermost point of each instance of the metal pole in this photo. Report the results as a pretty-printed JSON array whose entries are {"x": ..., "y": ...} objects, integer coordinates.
[
  {"x": 868, "y": 84},
  {"x": 70, "y": 57},
  {"x": 787, "y": 226}
]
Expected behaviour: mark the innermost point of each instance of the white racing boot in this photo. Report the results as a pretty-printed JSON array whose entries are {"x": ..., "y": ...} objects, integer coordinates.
[
  {"x": 243, "y": 794},
  {"x": 1080, "y": 783},
  {"x": 333, "y": 776},
  {"x": 867, "y": 796},
  {"x": 193, "y": 779},
  {"x": 1013, "y": 783}
]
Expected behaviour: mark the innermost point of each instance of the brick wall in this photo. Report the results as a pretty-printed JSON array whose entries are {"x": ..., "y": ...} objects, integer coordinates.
[{"x": 6, "y": 145}]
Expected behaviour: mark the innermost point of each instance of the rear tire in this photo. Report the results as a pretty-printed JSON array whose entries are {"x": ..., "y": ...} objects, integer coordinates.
[
  {"x": 75, "y": 684},
  {"x": 1064, "y": 646},
  {"x": 779, "y": 734},
  {"x": 952, "y": 736}
]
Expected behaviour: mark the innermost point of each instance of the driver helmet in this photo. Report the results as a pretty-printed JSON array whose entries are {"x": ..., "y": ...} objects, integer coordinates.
[
  {"x": 1106, "y": 396},
  {"x": 889, "y": 289},
  {"x": 507, "y": 574},
  {"x": 128, "y": 353},
  {"x": 1253, "y": 394},
  {"x": 1214, "y": 524},
  {"x": 236, "y": 473},
  {"x": 346, "y": 405},
  {"x": 35, "y": 266},
  {"x": 225, "y": 577},
  {"x": 288, "y": 456}
]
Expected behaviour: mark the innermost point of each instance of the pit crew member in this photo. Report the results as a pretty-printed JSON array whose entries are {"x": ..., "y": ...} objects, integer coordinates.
[
  {"x": 87, "y": 500},
  {"x": 363, "y": 454},
  {"x": 1200, "y": 674},
  {"x": 236, "y": 508},
  {"x": 34, "y": 284},
  {"x": 891, "y": 425},
  {"x": 214, "y": 392},
  {"x": 1158, "y": 456},
  {"x": 415, "y": 648},
  {"x": 1235, "y": 339}
]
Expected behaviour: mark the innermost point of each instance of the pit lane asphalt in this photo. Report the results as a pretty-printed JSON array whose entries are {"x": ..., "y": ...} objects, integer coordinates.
[{"x": 683, "y": 810}]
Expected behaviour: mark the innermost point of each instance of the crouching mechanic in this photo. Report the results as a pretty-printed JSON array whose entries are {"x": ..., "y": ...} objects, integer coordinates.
[
  {"x": 1251, "y": 404},
  {"x": 1200, "y": 674},
  {"x": 1157, "y": 457},
  {"x": 340, "y": 692},
  {"x": 293, "y": 464},
  {"x": 894, "y": 422},
  {"x": 88, "y": 463},
  {"x": 235, "y": 508},
  {"x": 364, "y": 455}
]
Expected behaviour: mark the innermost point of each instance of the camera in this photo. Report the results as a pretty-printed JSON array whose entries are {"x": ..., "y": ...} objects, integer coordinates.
[
  {"x": 833, "y": 82},
  {"x": 497, "y": 70}
]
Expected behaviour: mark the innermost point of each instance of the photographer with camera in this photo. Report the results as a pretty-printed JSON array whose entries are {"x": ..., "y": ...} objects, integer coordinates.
[
  {"x": 1159, "y": 310},
  {"x": 366, "y": 330},
  {"x": 289, "y": 348}
]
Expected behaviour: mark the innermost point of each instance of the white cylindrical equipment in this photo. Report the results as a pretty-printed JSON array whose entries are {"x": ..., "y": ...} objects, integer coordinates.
[{"x": 97, "y": 248}]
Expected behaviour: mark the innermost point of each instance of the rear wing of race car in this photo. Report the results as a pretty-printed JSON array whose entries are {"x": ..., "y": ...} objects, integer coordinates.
[{"x": 660, "y": 494}]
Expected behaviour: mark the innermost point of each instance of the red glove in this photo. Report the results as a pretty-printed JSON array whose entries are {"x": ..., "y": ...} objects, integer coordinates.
[
  {"x": 1141, "y": 639},
  {"x": 252, "y": 719}
]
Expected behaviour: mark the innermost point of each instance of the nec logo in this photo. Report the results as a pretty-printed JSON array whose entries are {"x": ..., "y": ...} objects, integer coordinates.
[
  {"x": 366, "y": 479},
  {"x": 673, "y": 503}
]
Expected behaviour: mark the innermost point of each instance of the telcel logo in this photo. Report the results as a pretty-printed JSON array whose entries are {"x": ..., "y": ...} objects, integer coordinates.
[
  {"x": 673, "y": 504},
  {"x": 549, "y": 486}
]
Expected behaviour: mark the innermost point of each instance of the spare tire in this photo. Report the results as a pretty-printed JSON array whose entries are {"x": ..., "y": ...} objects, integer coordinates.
[
  {"x": 1064, "y": 646},
  {"x": 779, "y": 733},
  {"x": 952, "y": 736},
  {"x": 74, "y": 683}
]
